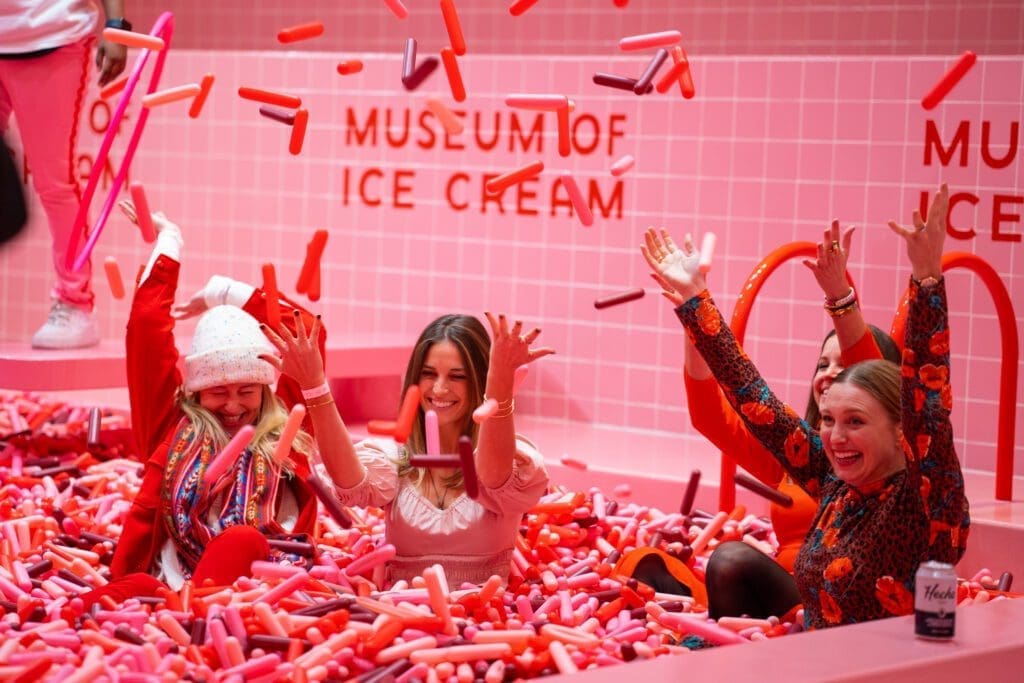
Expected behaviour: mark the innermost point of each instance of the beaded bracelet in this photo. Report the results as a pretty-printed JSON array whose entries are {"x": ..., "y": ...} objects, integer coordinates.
[
  {"x": 316, "y": 392},
  {"x": 842, "y": 301},
  {"x": 842, "y": 310}
]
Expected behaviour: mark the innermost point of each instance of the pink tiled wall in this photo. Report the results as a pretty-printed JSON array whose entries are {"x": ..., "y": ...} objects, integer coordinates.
[
  {"x": 769, "y": 151},
  {"x": 749, "y": 27}
]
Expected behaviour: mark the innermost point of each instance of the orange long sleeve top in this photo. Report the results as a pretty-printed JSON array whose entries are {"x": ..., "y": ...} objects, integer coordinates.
[{"x": 713, "y": 416}]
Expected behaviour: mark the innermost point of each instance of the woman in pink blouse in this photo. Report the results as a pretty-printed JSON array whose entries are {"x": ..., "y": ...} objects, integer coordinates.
[{"x": 430, "y": 519}]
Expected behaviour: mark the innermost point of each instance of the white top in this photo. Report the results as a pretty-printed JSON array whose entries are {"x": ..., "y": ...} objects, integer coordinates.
[
  {"x": 30, "y": 25},
  {"x": 472, "y": 539}
]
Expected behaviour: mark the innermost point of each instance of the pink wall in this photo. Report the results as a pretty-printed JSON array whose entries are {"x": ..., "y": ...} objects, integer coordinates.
[{"x": 769, "y": 151}]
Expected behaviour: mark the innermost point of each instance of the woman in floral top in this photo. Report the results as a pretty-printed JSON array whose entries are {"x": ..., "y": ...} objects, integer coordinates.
[{"x": 883, "y": 465}]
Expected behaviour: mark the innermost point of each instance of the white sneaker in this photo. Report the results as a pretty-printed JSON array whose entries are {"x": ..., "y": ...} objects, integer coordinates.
[{"x": 67, "y": 327}]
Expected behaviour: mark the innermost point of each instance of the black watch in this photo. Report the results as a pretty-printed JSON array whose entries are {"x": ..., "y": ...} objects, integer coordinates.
[{"x": 119, "y": 22}]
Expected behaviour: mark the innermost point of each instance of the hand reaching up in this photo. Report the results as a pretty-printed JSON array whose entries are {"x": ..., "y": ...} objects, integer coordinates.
[
  {"x": 510, "y": 348},
  {"x": 829, "y": 268},
  {"x": 300, "y": 354},
  {"x": 679, "y": 268},
  {"x": 925, "y": 242}
]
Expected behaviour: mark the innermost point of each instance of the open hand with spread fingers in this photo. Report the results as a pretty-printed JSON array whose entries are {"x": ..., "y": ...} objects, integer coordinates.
[
  {"x": 510, "y": 348},
  {"x": 300, "y": 353},
  {"x": 925, "y": 242},
  {"x": 678, "y": 267},
  {"x": 829, "y": 268}
]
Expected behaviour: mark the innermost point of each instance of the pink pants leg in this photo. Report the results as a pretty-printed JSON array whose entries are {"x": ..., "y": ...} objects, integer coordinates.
[{"x": 46, "y": 95}]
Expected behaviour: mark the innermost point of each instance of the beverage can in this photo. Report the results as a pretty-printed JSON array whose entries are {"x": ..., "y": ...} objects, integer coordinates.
[{"x": 935, "y": 601}]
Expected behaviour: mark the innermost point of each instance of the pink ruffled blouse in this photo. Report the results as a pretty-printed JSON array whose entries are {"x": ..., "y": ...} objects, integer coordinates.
[{"x": 471, "y": 539}]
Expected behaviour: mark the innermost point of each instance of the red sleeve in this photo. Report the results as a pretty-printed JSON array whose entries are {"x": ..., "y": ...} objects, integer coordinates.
[
  {"x": 866, "y": 348},
  {"x": 713, "y": 416},
  {"x": 143, "y": 532},
  {"x": 287, "y": 388},
  {"x": 152, "y": 357}
]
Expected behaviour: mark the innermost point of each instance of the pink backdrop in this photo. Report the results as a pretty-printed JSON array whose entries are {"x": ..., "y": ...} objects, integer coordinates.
[{"x": 768, "y": 152}]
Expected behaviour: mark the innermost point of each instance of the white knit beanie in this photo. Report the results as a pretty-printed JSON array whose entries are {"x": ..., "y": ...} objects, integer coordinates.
[{"x": 226, "y": 349}]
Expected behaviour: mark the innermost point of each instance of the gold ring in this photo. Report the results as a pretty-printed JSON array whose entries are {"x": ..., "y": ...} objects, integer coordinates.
[{"x": 834, "y": 248}]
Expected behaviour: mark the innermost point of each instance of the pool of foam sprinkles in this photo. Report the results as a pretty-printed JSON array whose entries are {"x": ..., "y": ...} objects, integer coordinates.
[{"x": 564, "y": 609}]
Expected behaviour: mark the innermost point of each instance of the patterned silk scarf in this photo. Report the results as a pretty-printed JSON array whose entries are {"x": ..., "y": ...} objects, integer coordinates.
[{"x": 248, "y": 490}]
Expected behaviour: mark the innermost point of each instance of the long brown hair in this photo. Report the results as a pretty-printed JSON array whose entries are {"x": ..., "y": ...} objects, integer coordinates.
[
  {"x": 890, "y": 352},
  {"x": 468, "y": 335}
]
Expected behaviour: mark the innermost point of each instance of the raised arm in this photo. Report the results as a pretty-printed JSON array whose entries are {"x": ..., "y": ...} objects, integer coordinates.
[
  {"x": 496, "y": 446},
  {"x": 927, "y": 397},
  {"x": 775, "y": 425}
]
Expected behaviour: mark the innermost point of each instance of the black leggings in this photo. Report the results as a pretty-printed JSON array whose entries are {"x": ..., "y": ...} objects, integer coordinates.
[{"x": 743, "y": 581}]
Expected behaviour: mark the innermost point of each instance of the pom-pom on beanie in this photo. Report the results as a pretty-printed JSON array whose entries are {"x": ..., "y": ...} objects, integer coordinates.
[{"x": 226, "y": 349}]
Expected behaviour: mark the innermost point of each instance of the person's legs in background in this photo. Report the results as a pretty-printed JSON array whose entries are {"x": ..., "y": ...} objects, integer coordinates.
[{"x": 46, "y": 94}]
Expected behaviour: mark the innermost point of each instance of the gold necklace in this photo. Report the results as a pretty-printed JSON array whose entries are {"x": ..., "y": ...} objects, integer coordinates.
[{"x": 438, "y": 495}]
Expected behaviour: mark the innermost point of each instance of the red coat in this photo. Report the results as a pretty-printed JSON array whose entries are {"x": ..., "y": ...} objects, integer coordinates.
[{"x": 153, "y": 382}]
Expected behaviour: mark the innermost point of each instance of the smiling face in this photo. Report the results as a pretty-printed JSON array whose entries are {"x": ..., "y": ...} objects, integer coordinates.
[
  {"x": 444, "y": 381},
  {"x": 861, "y": 439},
  {"x": 234, "y": 405},
  {"x": 830, "y": 364}
]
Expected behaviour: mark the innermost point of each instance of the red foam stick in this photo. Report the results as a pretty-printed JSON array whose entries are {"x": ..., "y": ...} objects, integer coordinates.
[
  {"x": 381, "y": 427},
  {"x": 621, "y": 298},
  {"x": 498, "y": 184},
  {"x": 313, "y": 291},
  {"x": 293, "y": 34},
  {"x": 451, "y": 69},
  {"x": 421, "y": 460},
  {"x": 142, "y": 214},
  {"x": 181, "y": 92},
  {"x": 466, "y": 456},
  {"x": 949, "y": 80},
  {"x": 199, "y": 100},
  {"x": 397, "y": 8},
  {"x": 132, "y": 39},
  {"x": 520, "y": 6},
  {"x": 351, "y": 66},
  {"x": 270, "y": 97},
  {"x": 579, "y": 202},
  {"x": 420, "y": 74},
  {"x": 298, "y": 131},
  {"x": 542, "y": 102},
  {"x": 686, "y": 77},
  {"x": 331, "y": 504},
  {"x": 451, "y": 23},
  {"x": 671, "y": 76},
  {"x": 273, "y": 297},
  {"x": 282, "y": 115},
  {"x": 223, "y": 460},
  {"x": 763, "y": 490},
  {"x": 648, "y": 40},
  {"x": 691, "y": 492},
  {"x": 313, "y": 253},
  {"x": 95, "y": 422},
  {"x": 407, "y": 413},
  {"x": 564, "y": 138},
  {"x": 643, "y": 83},
  {"x": 114, "y": 87},
  {"x": 114, "y": 277}
]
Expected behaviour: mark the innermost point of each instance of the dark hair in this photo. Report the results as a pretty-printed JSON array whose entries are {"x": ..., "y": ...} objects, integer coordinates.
[
  {"x": 474, "y": 345},
  {"x": 880, "y": 378},
  {"x": 886, "y": 345}
]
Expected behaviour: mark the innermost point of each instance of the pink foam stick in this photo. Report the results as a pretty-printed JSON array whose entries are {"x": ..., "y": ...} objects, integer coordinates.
[
  {"x": 537, "y": 102},
  {"x": 519, "y": 6},
  {"x": 132, "y": 39},
  {"x": 573, "y": 462},
  {"x": 291, "y": 427},
  {"x": 223, "y": 460},
  {"x": 485, "y": 410},
  {"x": 454, "y": 27},
  {"x": 200, "y": 100},
  {"x": 114, "y": 277},
  {"x": 293, "y": 34},
  {"x": 370, "y": 560},
  {"x": 181, "y": 92},
  {"x": 397, "y": 652},
  {"x": 468, "y": 461},
  {"x": 285, "y": 588},
  {"x": 621, "y": 298},
  {"x": 579, "y": 203},
  {"x": 700, "y": 627},
  {"x": 272, "y": 570},
  {"x": 462, "y": 653},
  {"x": 432, "y": 434},
  {"x": 520, "y": 376},
  {"x": 707, "y": 250},
  {"x": 644, "y": 41},
  {"x": 498, "y": 184},
  {"x": 142, "y": 213},
  {"x": 437, "y": 589},
  {"x": 709, "y": 532},
  {"x": 273, "y": 297},
  {"x": 77, "y": 258},
  {"x": 452, "y": 124},
  {"x": 622, "y": 165},
  {"x": 560, "y": 656},
  {"x": 949, "y": 80},
  {"x": 407, "y": 413},
  {"x": 174, "y": 629},
  {"x": 397, "y": 8}
]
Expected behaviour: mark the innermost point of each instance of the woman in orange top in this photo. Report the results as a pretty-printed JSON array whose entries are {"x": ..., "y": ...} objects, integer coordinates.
[{"x": 744, "y": 575}]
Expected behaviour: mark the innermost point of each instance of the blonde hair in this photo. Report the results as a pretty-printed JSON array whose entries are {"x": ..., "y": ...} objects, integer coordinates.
[
  {"x": 270, "y": 421},
  {"x": 468, "y": 335}
]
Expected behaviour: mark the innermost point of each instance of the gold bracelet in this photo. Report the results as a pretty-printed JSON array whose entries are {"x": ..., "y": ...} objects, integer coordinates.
[
  {"x": 498, "y": 414},
  {"x": 322, "y": 402},
  {"x": 505, "y": 408},
  {"x": 840, "y": 312}
]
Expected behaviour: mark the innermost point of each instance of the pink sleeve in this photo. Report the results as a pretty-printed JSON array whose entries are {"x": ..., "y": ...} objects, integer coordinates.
[
  {"x": 380, "y": 482},
  {"x": 524, "y": 486}
]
